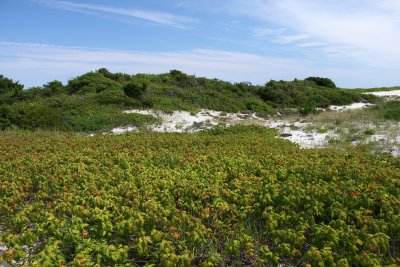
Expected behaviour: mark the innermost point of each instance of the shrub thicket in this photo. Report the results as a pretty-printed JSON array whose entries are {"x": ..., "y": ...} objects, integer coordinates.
[
  {"x": 325, "y": 82},
  {"x": 135, "y": 89},
  {"x": 306, "y": 95},
  {"x": 10, "y": 90},
  {"x": 93, "y": 100}
]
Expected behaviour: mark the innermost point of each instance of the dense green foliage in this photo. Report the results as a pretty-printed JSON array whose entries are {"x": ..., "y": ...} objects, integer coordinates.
[
  {"x": 9, "y": 90},
  {"x": 94, "y": 101},
  {"x": 178, "y": 91},
  {"x": 367, "y": 90},
  {"x": 67, "y": 113},
  {"x": 135, "y": 89},
  {"x": 325, "y": 82},
  {"x": 91, "y": 102},
  {"x": 307, "y": 96},
  {"x": 388, "y": 110},
  {"x": 385, "y": 109},
  {"x": 224, "y": 197}
]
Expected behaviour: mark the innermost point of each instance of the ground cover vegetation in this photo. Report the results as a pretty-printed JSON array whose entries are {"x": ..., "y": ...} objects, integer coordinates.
[
  {"x": 222, "y": 197},
  {"x": 376, "y": 89},
  {"x": 389, "y": 110},
  {"x": 94, "y": 101}
]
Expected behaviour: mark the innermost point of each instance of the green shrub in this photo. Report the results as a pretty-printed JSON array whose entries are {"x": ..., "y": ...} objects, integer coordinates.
[
  {"x": 9, "y": 87},
  {"x": 118, "y": 77},
  {"x": 135, "y": 89},
  {"x": 306, "y": 95},
  {"x": 392, "y": 111},
  {"x": 10, "y": 91},
  {"x": 369, "y": 132},
  {"x": 258, "y": 105},
  {"x": 325, "y": 82},
  {"x": 36, "y": 115},
  {"x": 222, "y": 197},
  {"x": 117, "y": 98},
  {"x": 91, "y": 82},
  {"x": 103, "y": 93},
  {"x": 307, "y": 108},
  {"x": 8, "y": 117}
]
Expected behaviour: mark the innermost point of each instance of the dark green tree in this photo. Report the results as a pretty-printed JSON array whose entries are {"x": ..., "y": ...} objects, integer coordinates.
[
  {"x": 182, "y": 79},
  {"x": 9, "y": 87},
  {"x": 10, "y": 91},
  {"x": 326, "y": 82},
  {"x": 105, "y": 72},
  {"x": 7, "y": 117},
  {"x": 118, "y": 77},
  {"x": 53, "y": 88}
]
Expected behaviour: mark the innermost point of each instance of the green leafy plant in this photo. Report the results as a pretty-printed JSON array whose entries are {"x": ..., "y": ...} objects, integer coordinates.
[
  {"x": 135, "y": 89},
  {"x": 230, "y": 196}
]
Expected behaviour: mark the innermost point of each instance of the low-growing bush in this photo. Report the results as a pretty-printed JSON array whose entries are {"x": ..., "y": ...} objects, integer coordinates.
[{"x": 222, "y": 197}]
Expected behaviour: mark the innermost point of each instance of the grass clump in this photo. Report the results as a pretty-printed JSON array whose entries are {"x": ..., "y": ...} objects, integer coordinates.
[
  {"x": 389, "y": 110},
  {"x": 369, "y": 132}
]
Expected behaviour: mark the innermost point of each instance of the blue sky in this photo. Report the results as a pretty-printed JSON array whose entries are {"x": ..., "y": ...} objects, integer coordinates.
[{"x": 354, "y": 42}]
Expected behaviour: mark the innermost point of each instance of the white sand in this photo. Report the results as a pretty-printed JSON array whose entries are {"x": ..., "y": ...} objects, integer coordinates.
[
  {"x": 386, "y": 93},
  {"x": 183, "y": 121},
  {"x": 349, "y": 107},
  {"x": 122, "y": 130},
  {"x": 297, "y": 132},
  {"x": 3, "y": 248}
]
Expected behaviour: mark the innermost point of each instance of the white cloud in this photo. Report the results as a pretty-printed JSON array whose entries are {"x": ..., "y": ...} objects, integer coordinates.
[
  {"x": 265, "y": 33},
  {"x": 147, "y": 15},
  {"x": 278, "y": 36},
  {"x": 364, "y": 30},
  {"x": 288, "y": 39},
  {"x": 310, "y": 44},
  {"x": 36, "y": 64}
]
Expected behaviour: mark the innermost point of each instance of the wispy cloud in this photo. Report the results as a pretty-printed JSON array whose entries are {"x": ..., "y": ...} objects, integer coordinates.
[
  {"x": 310, "y": 44},
  {"x": 163, "y": 18},
  {"x": 36, "y": 64},
  {"x": 278, "y": 36},
  {"x": 265, "y": 33},
  {"x": 364, "y": 30},
  {"x": 33, "y": 64}
]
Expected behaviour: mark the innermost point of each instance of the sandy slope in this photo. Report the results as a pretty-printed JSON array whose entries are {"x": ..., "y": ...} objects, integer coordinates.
[
  {"x": 386, "y": 93},
  {"x": 183, "y": 121},
  {"x": 300, "y": 132}
]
